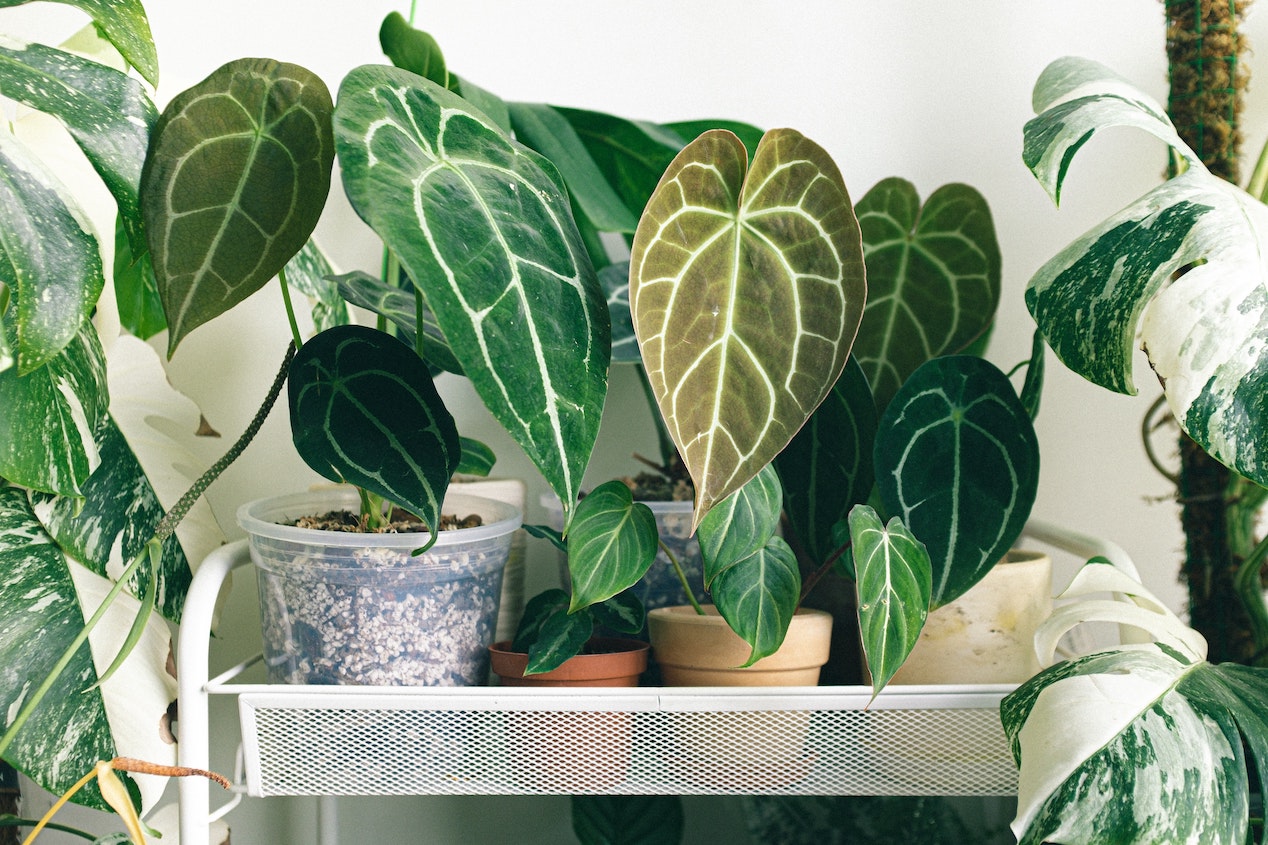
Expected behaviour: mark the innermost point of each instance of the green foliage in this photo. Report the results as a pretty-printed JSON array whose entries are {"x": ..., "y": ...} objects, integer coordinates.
[
  {"x": 611, "y": 544},
  {"x": 550, "y": 633},
  {"x": 627, "y": 819}
]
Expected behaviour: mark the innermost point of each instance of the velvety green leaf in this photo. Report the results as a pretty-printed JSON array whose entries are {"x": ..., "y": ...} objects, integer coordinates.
[
  {"x": 136, "y": 290},
  {"x": 894, "y": 585},
  {"x": 310, "y": 273},
  {"x": 741, "y": 524},
  {"x": 46, "y": 430},
  {"x": 627, "y": 819},
  {"x": 750, "y": 136},
  {"x": 623, "y": 613},
  {"x": 49, "y": 259},
  {"x": 412, "y": 49},
  {"x": 545, "y": 130},
  {"x": 562, "y": 636},
  {"x": 758, "y": 596},
  {"x": 1183, "y": 267},
  {"x": 124, "y": 24},
  {"x": 364, "y": 410},
  {"x": 747, "y": 288},
  {"x": 958, "y": 460},
  {"x": 492, "y": 245},
  {"x": 400, "y": 308},
  {"x": 827, "y": 467},
  {"x": 536, "y": 611},
  {"x": 235, "y": 181},
  {"x": 477, "y": 458},
  {"x": 106, "y": 112},
  {"x": 933, "y": 278},
  {"x": 545, "y": 532},
  {"x": 612, "y": 542},
  {"x": 615, "y": 280}
]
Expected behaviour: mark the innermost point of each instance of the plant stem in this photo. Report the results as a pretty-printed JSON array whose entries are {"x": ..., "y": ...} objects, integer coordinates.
[
  {"x": 290, "y": 309},
  {"x": 682, "y": 577},
  {"x": 815, "y": 577}
]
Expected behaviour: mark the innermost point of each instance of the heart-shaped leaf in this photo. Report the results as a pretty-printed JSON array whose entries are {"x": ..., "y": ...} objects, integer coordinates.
[
  {"x": 827, "y": 467},
  {"x": 758, "y": 596},
  {"x": 933, "y": 278},
  {"x": 623, "y": 613},
  {"x": 482, "y": 225},
  {"x": 400, "y": 306},
  {"x": 894, "y": 584},
  {"x": 51, "y": 262},
  {"x": 612, "y": 543},
  {"x": 741, "y": 524},
  {"x": 747, "y": 289},
  {"x": 561, "y": 636},
  {"x": 1184, "y": 266},
  {"x": 957, "y": 460},
  {"x": 235, "y": 181},
  {"x": 364, "y": 411}
]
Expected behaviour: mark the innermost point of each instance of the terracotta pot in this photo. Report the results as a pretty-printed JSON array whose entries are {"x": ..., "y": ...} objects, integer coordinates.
[
  {"x": 694, "y": 650},
  {"x": 612, "y": 663},
  {"x": 986, "y": 636}
]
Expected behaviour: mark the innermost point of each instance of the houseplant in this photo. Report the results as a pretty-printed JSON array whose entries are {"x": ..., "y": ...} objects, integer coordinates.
[{"x": 1183, "y": 265}]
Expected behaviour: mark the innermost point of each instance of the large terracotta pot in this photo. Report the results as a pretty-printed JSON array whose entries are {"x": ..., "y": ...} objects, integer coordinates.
[{"x": 695, "y": 650}]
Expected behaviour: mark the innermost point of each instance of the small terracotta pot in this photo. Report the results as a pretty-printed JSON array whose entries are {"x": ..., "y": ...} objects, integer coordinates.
[
  {"x": 694, "y": 650},
  {"x": 610, "y": 662}
]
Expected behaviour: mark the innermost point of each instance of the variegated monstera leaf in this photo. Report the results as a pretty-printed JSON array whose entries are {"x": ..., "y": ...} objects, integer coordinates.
[
  {"x": 747, "y": 287},
  {"x": 1204, "y": 329},
  {"x": 1160, "y": 749}
]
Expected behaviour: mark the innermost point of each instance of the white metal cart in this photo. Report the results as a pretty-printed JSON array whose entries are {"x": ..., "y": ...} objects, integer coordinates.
[{"x": 338, "y": 741}]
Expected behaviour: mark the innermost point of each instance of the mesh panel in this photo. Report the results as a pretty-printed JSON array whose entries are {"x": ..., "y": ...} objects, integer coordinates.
[{"x": 499, "y": 748}]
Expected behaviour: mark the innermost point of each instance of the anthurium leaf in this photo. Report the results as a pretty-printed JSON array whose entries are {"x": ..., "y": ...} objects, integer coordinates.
[
  {"x": 46, "y": 430},
  {"x": 615, "y": 280},
  {"x": 612, "y": 542},
  {"x": 400, "y": 307},
  {"x": 1183, "y": 266},
  {"x": 412, "y": 49},
  {"x": 492, "y": 245},
  {"x": 826, "y": 468},
  {"x": 758, "y": 596},
  {"x": 627, "y": 819},
  {"x": 477, "y": 458},
  {"x": 545, "y": 130},
  {"x": 364, "y": 410},
  {"x": 1032, "y": 388},
  {"x": 136, "y": 290},
  {"x": 894, "y": 581},
  {"x": 933, "y": 278},
  {"x": 623, "y": 613},
  {"x": 44, "y": 600},
  {"x": 50, "y": 259},
  {"x": 750, "y": 136},
  {"x": 236, "y": 178},
  {"x": 124, "y": 24},
  {"x": 310, "y": 273},
  {"x": 741, "y": 524},
  {"x": 957, "y": 460},
  {"x": 107, "y": 113},
  {"x": 747, "y": 287},
  {"x": 486, "y": 101}
]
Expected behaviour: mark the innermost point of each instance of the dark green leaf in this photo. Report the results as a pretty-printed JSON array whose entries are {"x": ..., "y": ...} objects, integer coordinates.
[
  {"x": 477, "y": 458},
  {"x": 1032, "y": 388},
  {"x": 412, "y": 49},
  {"x": 491, "y": 244},
  {"x": 758, "y": 596},
  {"x": 399, "y": 307},
  {"x": 537, "y": 610},
  {"x": 124, "y": 24},
  {"x": 689, "y": 130},
  {"x": 136, "y": 290},
  {"x": 957, "y": 460},
  {"x": 364, "y": 410},
  {"x": 627, "y": 819},
  {"x": 562, "y": 636},
  {"x": 615, "y": 279},
  {"x": 612, "y": 542},
  {"x": 623, "y": 613},
  {"x": 235, "y": 181},
  {"x": 545, "y": 532},
  {"x": 741, "y": 524},
  {"x": 486, "y": 101}
]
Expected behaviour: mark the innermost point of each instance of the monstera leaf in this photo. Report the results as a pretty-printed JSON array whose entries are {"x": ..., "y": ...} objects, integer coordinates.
[
  {"x": 747, "y": 287},
  {"x": 1184, "y": 265},
  {"x": 235, "y": 181},
  {"x": 1160, "y": 753},
  {"x": 957, "y": 460},
  {"x": 933, "y": 276},
  {"x": 482, "y": 225},
  {"x": 364, "y": 411}
]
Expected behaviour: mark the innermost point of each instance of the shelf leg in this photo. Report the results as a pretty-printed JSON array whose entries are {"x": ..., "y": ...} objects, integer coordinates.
[{"x": 327, "y": 820}]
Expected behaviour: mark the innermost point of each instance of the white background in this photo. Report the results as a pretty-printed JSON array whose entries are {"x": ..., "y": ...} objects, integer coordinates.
[{"x": 933, "y": 92}]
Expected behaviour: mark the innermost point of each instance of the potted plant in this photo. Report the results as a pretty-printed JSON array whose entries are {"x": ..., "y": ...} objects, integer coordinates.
[{"x": 1183, "y": 266}]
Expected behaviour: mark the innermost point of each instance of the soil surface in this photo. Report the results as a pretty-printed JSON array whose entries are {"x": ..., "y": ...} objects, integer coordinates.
[{"x": 400, "y": 523}]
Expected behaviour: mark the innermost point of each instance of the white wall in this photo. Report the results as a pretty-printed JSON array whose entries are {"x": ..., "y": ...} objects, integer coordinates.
[{"x": 934, "y": 92}]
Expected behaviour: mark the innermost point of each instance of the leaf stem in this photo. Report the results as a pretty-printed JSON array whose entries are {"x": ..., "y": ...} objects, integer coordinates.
[
  {"x": 815, "y": 577},
  {"x": 290, "y": 309},
  {"x": 682, "y": 576}
]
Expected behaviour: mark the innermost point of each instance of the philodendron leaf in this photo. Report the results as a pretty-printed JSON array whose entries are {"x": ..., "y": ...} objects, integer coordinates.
[
  {"x": 1183, "y": 266},
  {"x": 894, "y": 585},
  {"x": 827, "y": 467},
  {"x": 623, "y": 613},
  {"x": 50, "y": 259},
  {"x": 46, "y": 430},
  {"x": 482, "y": 225},
  {"x": 612, "y": 543},
  {"x": 236, "y": 178},
  {"x": 44, "y": 598},
  {"x": 401, "y": 308},
  {"x": 958, "y": 460},
  {"x": 562, "y": 636},
  {"x": 364, "y": 410},
  {"x": 933, "y": 278},
  {"x": 758, "y": 596},
  {"x": 310, "y": 273},
  {"x": 741, "y": 524},
  {"x": 107, "y": 113},
  {"x": 747, "y": 287},
  {"x": 124, "y": 24}
]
